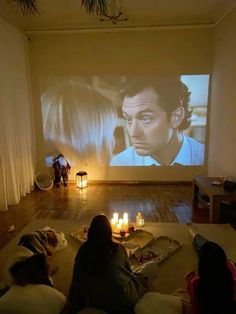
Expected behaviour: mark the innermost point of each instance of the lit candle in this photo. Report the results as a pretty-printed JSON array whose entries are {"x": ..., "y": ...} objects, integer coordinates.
[
  {"x": 125, "y": 216},
  {"x": 113, "y": 224},
  {"x": 119, "y": 225},
  {"x": 125, "y": 221},
  {"x": 115, "y": 217}
]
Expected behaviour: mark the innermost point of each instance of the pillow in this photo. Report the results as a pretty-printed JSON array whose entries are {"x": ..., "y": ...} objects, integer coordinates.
[
  {"x": 157, "y": 303},
  {"x": 28, "y": 299}
]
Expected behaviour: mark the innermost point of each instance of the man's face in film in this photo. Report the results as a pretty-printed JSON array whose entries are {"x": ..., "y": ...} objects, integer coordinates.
[{"x": 147, "y": 123}]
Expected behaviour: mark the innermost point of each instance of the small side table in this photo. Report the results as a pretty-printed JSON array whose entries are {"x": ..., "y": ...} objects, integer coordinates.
[{"x": 216, "y": 195}]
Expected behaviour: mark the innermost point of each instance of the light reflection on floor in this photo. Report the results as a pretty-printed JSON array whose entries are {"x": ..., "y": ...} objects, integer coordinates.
[
  {"x": 148, "y": 208},
  {"x": 182, "y": 214},
  {"x": 157, "y": 203}
]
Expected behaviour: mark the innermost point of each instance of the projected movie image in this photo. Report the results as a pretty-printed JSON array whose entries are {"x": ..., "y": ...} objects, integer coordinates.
[{"x": 127, "y": 121}]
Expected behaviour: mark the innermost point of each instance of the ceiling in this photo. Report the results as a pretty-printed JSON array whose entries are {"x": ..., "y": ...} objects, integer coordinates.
[{"x": 58, "y": 15}]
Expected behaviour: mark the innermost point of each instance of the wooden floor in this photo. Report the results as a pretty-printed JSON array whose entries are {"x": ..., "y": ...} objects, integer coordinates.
[{"x": 157, "y": 202}]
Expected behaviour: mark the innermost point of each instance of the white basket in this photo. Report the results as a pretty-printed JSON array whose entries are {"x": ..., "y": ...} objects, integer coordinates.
[{"x": 44, "y": 181}]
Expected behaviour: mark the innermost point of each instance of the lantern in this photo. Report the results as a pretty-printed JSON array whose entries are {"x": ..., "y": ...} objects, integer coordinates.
[
  {"x": 139, "y": 220},
  {"x": 81, "y": 179}
]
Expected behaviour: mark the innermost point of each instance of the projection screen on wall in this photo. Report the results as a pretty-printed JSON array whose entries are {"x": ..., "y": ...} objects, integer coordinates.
[{"x": 127, "y": 121}]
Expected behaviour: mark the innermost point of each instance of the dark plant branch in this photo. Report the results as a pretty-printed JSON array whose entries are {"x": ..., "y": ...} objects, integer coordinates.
[
  {"x": 26, "y": 7},
  {"x": 97, "y": 6},
  {"x": 114, "y": 18},
  {"x": 31, "y": 7}
]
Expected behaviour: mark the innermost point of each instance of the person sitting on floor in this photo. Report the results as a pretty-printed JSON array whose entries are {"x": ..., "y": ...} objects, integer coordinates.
[
  {"x": 102, "y": 276},
  {"x": 33, "y": 290},
  {"x": 213, "y": 289}
]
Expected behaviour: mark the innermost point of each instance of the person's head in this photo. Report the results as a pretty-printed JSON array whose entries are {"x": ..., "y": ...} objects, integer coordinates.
[
  {"x": 99, "y": 246},
  {"x": 79, "y": 119},
  {"x": 212, "y": 259},
  {"x": 32, "y": 270},
  {"x": 215, "y": 286},
  {"x": 153, "y": 107},
  {"x": 100, "y": 231}
]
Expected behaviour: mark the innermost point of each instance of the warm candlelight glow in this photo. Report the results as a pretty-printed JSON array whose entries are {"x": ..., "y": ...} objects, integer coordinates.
[
  {"x": 125, "y": 221},
  {"x": 81, "y": 179},
  {"x": 82, "y": 184},
  {"x": 115, "y": 217},
  {"x": 118, "y": 224},
  {"x": 139, "y": 220},
  {"x": 125, "y": 216},
  {"x": 113, "y": 223}
]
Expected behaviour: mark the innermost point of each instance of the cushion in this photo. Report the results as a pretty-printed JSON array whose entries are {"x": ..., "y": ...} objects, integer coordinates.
[
  {"x": 157, "y": 303},
  {"x": 29, "y": 299}
]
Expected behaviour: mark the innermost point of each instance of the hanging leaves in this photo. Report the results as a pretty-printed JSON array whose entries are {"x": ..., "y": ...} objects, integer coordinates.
[
  {"x": 26, "y": 7},
  {"x": 31, "y": 7},
  {"x": 97, "y": 6}
]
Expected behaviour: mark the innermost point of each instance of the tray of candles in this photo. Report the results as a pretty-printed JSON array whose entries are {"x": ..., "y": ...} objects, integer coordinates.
[
  {"x": 123, "y": 233},
  {"x": 120, "y": 235}
]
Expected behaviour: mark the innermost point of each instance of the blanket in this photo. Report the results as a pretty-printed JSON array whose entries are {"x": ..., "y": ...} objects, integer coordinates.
[{"x": 46, "y": 240}]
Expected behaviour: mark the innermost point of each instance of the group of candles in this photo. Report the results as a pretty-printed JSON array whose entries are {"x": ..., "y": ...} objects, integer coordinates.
[
  {"x": 119, "y": 224},
  {"x": 122, "y": 224}
]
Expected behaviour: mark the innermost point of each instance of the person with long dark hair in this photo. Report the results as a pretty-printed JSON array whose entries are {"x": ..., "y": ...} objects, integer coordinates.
[
  {"x": 213, "y": 289},
  {"x": 102, "y": 276}
]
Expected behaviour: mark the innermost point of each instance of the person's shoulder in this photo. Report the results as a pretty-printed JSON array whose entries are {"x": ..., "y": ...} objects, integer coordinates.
[
  {"x": 116, "y": 246},
  {"x": 230, "y": 264},
  {"x": 193, "y": 141},
  {"x": 82, "y": 251},
  {"x": 119, "y": 254},
  {"x": 194, "y": 281},
  {"x": 119, "y": 246},
  {"x": 232, "y": 268},
  {"x": 191, "y": 152},
  {"x": 123, "y": 158},
  {"x": 195, "y": 148},
  {"x": 83, "y": 248}
]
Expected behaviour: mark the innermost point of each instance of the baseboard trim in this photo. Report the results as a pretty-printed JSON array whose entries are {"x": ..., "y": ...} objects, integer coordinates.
[{"x": 125, "y": 182}]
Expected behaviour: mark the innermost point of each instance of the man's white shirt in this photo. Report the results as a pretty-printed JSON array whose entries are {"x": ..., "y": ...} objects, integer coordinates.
[{"x": 190, "y": 153}]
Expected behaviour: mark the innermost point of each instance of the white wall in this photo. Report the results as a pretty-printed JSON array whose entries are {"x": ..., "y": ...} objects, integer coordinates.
[
  {"x": 222, "y": 149},
  {"x": 143, "y": 52}
]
